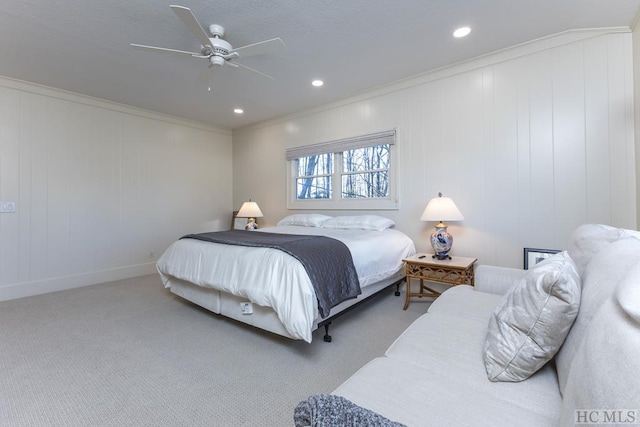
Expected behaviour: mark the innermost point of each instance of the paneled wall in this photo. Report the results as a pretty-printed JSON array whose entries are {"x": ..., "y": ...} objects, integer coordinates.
[
  {"x": 529, "y": 142},
  {"x": 100, "y": 189},
  {"x": 636, "y": 85}
]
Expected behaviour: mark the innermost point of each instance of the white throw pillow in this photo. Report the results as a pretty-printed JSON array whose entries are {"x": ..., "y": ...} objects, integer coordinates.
[
  {"x": 359, "y": 222},
  {"x": 532, "y": 320},
  {"x": 304, "y": 220}
]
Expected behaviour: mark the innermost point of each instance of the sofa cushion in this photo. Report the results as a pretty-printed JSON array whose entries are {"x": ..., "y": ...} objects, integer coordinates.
[
  {"x": 443, "y": 343},
  {"x": 465, "y": 301},
  {"x": 605, "y": 370},
  {"x": 531, "y": 322},
  {"x": 452, "y": 345},
  {"x": 450, "y": 336},
  {"x": 602, "y": 274},
  {"x": 432, "y": 397}
]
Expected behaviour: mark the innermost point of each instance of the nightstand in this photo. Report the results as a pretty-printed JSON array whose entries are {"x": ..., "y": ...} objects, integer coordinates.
[{"x": 454, "y": 271}]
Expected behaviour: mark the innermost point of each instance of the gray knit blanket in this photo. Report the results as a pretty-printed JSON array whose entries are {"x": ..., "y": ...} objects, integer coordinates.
[
  {"x": 327, "y": 261},
  {"x": 328, "y": 410}
]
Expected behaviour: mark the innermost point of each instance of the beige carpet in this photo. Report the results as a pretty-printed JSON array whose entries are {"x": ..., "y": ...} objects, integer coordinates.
[{"x": 131, "y": 353}]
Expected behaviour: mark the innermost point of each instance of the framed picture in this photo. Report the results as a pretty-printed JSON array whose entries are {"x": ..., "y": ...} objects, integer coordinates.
[
  {"x": 237, "y": 223},
  {"x": 533, "y": 256}
]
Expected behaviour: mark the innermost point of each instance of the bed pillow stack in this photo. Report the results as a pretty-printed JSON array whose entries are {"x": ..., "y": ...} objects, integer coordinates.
[
  {"x": 359, "y": 222},
  {"x": 304, "y": 220},
  {"x": 354, "y": 222}
]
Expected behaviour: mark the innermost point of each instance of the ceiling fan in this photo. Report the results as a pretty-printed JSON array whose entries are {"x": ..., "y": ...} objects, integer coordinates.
[{"x": 215, "y": 49}]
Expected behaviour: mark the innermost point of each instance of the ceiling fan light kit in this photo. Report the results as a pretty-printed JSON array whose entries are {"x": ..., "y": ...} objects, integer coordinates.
[
  {"x": 215, "y": 49},
  {"x": 216, "y": 60}
]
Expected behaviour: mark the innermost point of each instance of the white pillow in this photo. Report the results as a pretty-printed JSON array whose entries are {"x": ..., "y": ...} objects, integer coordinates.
[
  {"x": 532, "y": 320},
  {"x": 359, "y": 222},
  {"x": 304, "y": 220}
]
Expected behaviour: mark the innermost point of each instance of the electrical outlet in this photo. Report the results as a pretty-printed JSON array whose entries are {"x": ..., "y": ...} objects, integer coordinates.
[
  {"x": 246, "y": 307},
  {"x": 7, "y": 207}
]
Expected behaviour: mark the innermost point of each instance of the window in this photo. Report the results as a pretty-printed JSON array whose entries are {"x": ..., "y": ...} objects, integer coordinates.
[
  {"x": 313, "y": 179},
  {"x": 352, "y": 173},
  {"x": 365, "y": 172}
]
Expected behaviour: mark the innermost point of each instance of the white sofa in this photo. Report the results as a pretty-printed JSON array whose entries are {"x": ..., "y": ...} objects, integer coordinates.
[{"x": 434, "y": 374}]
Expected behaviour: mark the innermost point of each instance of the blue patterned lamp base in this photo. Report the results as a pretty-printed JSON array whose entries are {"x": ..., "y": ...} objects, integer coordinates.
[
  {"x": 441, "y": 242},
  {"x": 251, "y": 225}
]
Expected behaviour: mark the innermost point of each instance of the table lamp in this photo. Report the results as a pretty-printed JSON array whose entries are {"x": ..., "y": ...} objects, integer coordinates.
[
  {"x": 441, "y": 209},
  {"x": 251, "y": 211}
]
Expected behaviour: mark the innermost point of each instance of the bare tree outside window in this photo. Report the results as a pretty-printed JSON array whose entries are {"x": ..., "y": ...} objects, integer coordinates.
[
  {"x": 364, "y": 173},
  {"x": 314, "y": 177}
]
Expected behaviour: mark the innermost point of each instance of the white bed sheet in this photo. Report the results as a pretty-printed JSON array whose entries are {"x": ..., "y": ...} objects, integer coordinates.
[{"x": 284, "y": 285}]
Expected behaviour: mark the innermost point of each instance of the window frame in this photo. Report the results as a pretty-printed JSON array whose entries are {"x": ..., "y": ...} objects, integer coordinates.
[{"x": 337, "y": 147}]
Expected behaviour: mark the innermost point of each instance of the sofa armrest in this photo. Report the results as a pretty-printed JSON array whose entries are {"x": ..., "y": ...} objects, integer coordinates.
[{"x": 496, "y": 280}]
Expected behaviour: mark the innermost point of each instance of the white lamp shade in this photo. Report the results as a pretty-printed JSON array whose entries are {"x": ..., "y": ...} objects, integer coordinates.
[
  {"x": 441, "y": 209},
  {"x": 249, "y": 210}
]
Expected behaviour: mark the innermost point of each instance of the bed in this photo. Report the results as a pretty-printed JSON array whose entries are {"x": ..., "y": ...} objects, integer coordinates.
[{"x": 270, "y": 289}]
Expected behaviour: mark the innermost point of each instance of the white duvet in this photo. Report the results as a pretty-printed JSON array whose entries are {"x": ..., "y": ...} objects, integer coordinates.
[{"x": 273, "y": 278}]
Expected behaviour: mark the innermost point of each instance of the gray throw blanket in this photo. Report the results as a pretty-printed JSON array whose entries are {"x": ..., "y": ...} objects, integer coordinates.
[
  {"x": 328, "y": 410},
  {"x": 327, "y": 261}
]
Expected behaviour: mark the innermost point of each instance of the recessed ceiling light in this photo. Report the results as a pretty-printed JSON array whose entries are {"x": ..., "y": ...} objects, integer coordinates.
[
  {"x": 461, "y": 32},
  {"x": 317, "y": 83},
  {"x": 238, "y": 110}
]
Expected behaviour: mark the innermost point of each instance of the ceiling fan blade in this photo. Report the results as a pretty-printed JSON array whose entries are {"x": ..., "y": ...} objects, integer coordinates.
[
  {"x": 163, "y": 49},
  {"x": 274, "y": 46},
  {"x": 187, "y": 17},
  {"x": 235, "y": 64}
]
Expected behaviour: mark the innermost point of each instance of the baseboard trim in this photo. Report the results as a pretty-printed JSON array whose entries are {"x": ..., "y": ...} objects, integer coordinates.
[{"x": 27, "y": 289}]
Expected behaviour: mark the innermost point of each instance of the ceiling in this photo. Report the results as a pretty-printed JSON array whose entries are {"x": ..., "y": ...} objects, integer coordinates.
[{"x": 353, "y": 45}]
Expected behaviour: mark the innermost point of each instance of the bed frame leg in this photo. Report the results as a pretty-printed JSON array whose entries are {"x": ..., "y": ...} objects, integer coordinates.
[
  {"x": 397, "y": 292},
  {"x": 327, "y": 322},
  {"x": 327, "y": 337}
]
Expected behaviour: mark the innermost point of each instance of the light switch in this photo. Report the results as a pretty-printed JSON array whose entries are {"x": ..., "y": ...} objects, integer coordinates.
[{"x": 7, "y": 207}]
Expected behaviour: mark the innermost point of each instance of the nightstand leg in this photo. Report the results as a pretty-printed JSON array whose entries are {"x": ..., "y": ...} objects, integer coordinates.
[{"x": 408, "y": 292}]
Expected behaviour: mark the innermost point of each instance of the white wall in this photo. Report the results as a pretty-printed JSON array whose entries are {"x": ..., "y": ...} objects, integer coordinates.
[
  {"x": 101, "y": 189},
  {"x": 530, "y": 142},
  {"x": 636, "y": 83}
]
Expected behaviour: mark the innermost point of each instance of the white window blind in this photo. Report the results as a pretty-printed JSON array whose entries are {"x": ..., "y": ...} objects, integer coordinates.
[{"x": 340, "y": 145}]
